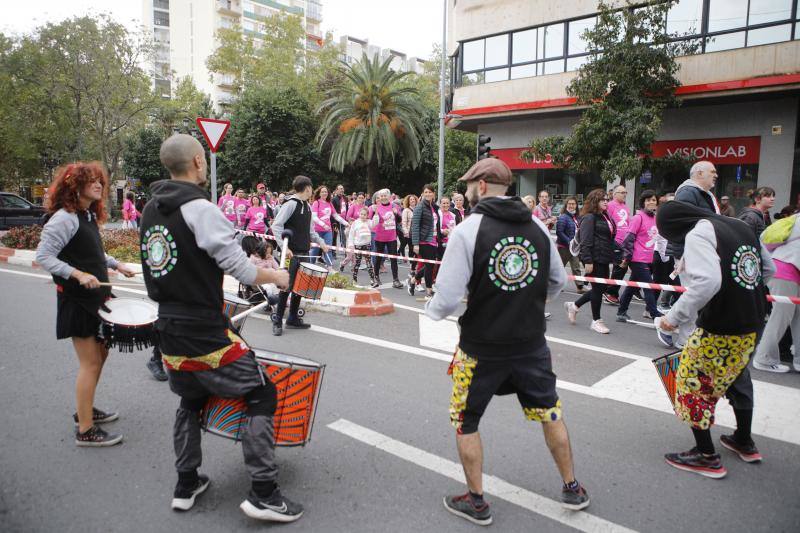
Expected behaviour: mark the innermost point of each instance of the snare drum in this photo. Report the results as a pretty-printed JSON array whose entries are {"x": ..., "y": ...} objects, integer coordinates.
[
  {"x": 233, "y": 305},
  {"x": 298, "y": 383},
  {"x": 128, "y": 323},
  {"x": 310, "y": 281}
]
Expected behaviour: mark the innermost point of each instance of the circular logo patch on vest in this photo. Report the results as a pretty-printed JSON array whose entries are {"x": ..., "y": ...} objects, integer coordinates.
[
  {"x": 746, "y": 267},
  {"x": 513, "y": 263},
  {"x": 159, "y": 251}
]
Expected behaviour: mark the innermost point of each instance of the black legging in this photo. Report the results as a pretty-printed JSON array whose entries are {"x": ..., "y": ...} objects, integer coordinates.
[
  {"x": 598, "y": 289},
  {"x": 385, "y": 248},
  {"x": 426, "y": 252},
  {"x": 406, "y": 246}
]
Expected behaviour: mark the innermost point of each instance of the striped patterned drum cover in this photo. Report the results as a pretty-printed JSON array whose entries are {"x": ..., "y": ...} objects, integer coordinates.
[{"x": 298, "y": 382}]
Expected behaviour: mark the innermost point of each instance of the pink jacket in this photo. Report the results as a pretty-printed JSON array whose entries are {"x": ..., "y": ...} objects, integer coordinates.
[
  {"x": 621, "y": 216},
  {"x": 448, "y": 223},
  {"x": 129, "y": 211},
  {"x": 386, "y": 229}
]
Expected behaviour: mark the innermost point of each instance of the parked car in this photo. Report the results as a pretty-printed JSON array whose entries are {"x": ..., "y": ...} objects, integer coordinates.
[{"x": 17, "y": 211}]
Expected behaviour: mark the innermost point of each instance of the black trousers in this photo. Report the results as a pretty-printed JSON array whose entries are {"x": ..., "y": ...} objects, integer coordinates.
[
  {"x": 595, "y": 296},
  {"x": 284, "y": 297},
  {"x": 426, "y": 269},
  {"x": 385, "y": 248}
]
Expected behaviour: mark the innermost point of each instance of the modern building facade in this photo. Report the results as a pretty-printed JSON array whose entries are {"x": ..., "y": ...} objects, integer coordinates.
[
  {"x": 354, "y": 48},
  {"x": 513, "y": 59},
  {"x": 184, "y": 36}
]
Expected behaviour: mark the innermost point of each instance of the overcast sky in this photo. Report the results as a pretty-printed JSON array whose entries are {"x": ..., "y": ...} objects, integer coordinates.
[{"x": 409, "y": 26}]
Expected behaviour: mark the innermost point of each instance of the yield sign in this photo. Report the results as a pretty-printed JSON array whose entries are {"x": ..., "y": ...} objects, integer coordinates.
[{"x": 213, "y": 130}]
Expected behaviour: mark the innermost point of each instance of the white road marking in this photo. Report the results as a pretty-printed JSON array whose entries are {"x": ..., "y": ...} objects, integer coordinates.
[
  {"x": 582, "y": 521},
  {"x": 42, "y": 276}
]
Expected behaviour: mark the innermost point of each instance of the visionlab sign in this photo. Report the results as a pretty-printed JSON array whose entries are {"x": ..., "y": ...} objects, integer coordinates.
[{"x": 729, "y": 151}]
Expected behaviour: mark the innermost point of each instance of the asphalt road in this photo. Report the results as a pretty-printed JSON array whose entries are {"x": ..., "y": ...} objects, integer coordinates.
[{"x": 382, "y": 451}]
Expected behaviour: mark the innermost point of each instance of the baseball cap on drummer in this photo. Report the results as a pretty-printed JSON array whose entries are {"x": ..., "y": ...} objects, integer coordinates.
[{"x": 490, "y": 170}]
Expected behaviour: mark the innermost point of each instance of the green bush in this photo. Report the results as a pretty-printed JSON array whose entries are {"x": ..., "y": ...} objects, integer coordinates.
[
  {"x": 23, "y": 237},
  {"x": 336, "y": 280}
]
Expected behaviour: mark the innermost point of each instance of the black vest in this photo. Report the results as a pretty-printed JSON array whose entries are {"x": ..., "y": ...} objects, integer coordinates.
[
  {"x": 300, "y": 224},
  {"x": 84, "y": 251},
  {"x": 178, "y": 273},
  {"x": 739, "y": 305},
  {"x": 507, "y": 290}
]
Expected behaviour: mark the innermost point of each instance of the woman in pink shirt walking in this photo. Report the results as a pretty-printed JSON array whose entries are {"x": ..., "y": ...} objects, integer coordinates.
[
  {"x": 129, "y": 213},
  {"x": 227, "y": 203},
  {"x": 384, "y": 216},
  {"x": 322, "y": 212},
  {"x": 256, "y": 215}
]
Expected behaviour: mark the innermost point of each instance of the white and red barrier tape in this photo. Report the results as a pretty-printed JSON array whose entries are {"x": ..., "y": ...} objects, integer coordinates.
[{"x": 570, "y": 277}]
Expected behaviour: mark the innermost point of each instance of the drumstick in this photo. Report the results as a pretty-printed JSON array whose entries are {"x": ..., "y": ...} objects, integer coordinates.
[
  {"x": 109, "y": 284},
  {"x": 253, "y": 309}
]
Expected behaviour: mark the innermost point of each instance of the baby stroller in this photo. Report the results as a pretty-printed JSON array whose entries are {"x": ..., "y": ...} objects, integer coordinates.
[{"x": 256, "y": 294}]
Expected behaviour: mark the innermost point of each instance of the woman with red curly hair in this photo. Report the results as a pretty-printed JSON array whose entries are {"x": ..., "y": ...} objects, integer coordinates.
[{"x": 71, "y": 250}]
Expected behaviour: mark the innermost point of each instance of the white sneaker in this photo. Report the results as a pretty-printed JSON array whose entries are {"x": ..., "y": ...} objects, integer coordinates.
[
  {"x": 547, "y": 315},
  {"x": 599, "y": 326},
  {"x": 572, "y": 311},
  {"x": 778, "y": 368},
  {"x": 796, "y": 366}
]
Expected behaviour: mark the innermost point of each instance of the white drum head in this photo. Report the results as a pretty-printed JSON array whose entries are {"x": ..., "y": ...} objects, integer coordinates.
[
  {"x": 129, "y": 312},
  {"x": 282, "y": 359},
  {"x": 316, "y": 268}
]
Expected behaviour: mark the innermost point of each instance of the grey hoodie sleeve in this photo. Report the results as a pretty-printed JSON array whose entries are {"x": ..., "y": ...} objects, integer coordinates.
[
  {"x": 768, "y": 268},
  {"x": 284, "y": 213},
  {"x": 56, "y": 234},
  {"x": 557, "y": 276},
  {"x": 702, "y": 276},
  {"x": 455, "y": 270},
  {"x": 215, "y": 235}
]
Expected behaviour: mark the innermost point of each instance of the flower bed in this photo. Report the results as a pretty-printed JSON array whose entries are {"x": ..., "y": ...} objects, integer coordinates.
[{"x": 122, "y": 244}]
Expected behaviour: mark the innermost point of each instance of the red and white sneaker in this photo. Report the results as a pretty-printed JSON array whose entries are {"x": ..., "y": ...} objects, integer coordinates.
[
  {"x": 747, "y": 453},
  {"x": 694, "y": 461}
]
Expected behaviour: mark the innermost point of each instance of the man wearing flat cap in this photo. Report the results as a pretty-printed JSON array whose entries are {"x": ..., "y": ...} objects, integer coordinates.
[{"x": 508, "y": 267}]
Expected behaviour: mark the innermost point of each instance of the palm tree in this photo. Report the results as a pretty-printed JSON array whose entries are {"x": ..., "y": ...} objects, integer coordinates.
[{"x": 370, "y": 118}]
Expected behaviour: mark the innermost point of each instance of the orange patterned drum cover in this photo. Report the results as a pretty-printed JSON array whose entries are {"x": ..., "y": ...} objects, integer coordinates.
[
  {"x": 298, "y": 382},
  {"x": 310, "y": 281},
  {"x": 667, "y": 368}
]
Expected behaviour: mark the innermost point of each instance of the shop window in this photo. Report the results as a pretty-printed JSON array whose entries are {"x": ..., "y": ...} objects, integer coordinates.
[
  {"x": 524, "y": 47},
  {"x": 685, "y": 18},
  {"x": 772, "y": 34},
  {"x": 524, "y": 71},
  {"x": 554, "y": 40},
  {"x": 473, "y": 55},
  {"x": 727, "y": 41},
  {"x": 497, "y": 51},
  {"x": 764, "y": 11},
  {"x": 500, "y": 74},
  {"x": 734, "y": 181},
  {"x": 727, "y": 15},
  {"x": 577, "y": 45}
]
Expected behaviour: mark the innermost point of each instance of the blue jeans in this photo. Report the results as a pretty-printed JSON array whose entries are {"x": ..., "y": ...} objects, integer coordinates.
[
  {"x": 639, "y": 272},
  {"x": 327, "y": 236}
]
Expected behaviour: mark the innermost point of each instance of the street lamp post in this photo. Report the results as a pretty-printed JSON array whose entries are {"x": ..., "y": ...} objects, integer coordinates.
[{"x": 442, "y": 100}]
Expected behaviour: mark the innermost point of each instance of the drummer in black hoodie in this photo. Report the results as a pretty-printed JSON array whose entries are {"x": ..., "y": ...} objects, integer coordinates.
[
  {"x": 187, "y": 247},
  {"x": 509, "y": 268}
]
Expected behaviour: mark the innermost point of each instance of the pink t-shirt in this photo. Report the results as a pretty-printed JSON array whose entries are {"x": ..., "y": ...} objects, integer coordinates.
[
  {"x": 353, "y": 212},
  {"x": 228, "y": 206},
  {"x": 323, "y": 210},
  {"x": 786, "y": 271},
  {"x": 386, "y": 229},
  {"x": 241, "y": 207},
  {"x": 255, "y": 219},
  {"x": 129, "y": 210},
  {"x": 435, "y": 240},
  {"x": 543, "y": 213},
  {"x": 448, "y": 222},
  {"x": 644, "y": 227},
  {"x": 620, "y": 214}
]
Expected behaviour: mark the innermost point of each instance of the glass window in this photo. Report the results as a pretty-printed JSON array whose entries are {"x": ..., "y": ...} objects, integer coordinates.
[
  {"x": 497, "y": 51},
  {"x": 473, "y": 55},
  {"x": 727, "y": 14},
  {"x": 576, "y": 28},
  {"x": 554, "y": 67},
  {"x": 525, "y": 71},
  {"x": 540, "y": 44},
  {"x": 725, "y": 42},
  {"x": 15, "y": 202},
  {"x": 685, "y": 17},
  {"x": 762, "y": 11},
  {"x": 773, "y": 34},
  {"x": 574, "y": 63},
  {"x": 475, "y": 78},
  {"x": 524, "y": 47},
  {"x": 500, "y": 74},
  {"x": 554, "y": 40}
]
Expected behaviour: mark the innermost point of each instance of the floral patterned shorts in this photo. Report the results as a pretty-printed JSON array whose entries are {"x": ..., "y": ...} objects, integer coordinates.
[
  {"x": 475, "y": 382},
  {"x": 708, "y": 367}
]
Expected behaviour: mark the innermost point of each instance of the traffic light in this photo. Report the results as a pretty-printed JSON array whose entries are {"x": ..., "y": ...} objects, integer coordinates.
[{"x": 484, "y": 150}]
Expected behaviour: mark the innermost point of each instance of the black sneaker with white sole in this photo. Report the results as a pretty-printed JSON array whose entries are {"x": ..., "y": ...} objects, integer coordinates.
[
  {"x": 575, "y": 499},
  {"x": 276, "y": 508},
  {"x": 98, "y": 416},
  {"x": 183, "y": 498},
  {"x": 96, "y": 437},
  {"x": 464, "y": 506}
]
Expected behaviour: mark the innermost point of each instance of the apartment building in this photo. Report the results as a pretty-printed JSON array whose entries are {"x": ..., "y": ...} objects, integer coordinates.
[
  {"x": 354, "y": 48},
  {"x": 513, "y": 59},
  {"x": 184, "y": 35}
]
